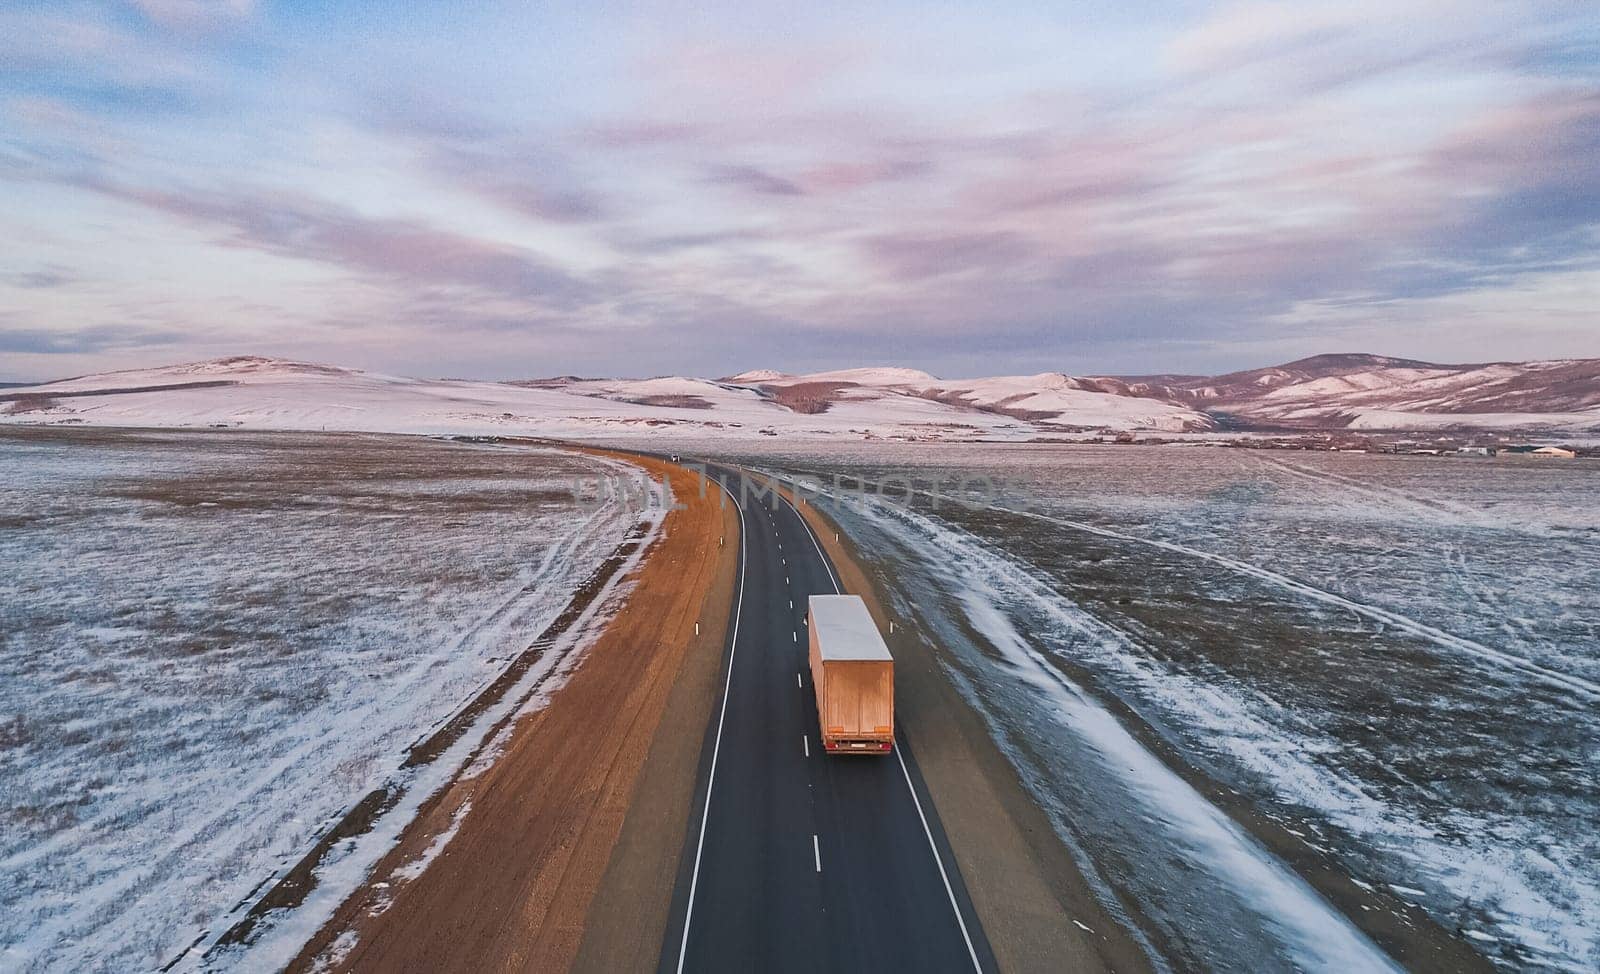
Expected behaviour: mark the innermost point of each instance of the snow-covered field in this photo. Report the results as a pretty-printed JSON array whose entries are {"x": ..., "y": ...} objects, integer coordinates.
[
  {"x": 1386, "y": 664},
  {"x": 211, "y": 644}
]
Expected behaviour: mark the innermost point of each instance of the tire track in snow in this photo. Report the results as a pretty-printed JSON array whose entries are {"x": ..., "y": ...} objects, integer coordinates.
[
  {"x": 1437, "y": 511},
  {"x": 1587, "y": 690},
  {"x": 1574, "y": 684},
  {"x": 1491, "y": 602}
]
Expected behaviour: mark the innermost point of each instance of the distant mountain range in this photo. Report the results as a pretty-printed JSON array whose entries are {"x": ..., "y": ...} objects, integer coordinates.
[
  {"x": 1349, "y": 391},
  {"x": 1376, "y": 392},
  {"x": 1352, "y": 391}
]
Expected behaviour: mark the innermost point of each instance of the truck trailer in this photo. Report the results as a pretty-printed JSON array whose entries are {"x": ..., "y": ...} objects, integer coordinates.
[{"x": 852, "y": 675}]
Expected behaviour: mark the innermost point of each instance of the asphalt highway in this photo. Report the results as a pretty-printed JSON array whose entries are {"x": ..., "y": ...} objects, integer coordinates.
[{"x": 798, "y": 861}]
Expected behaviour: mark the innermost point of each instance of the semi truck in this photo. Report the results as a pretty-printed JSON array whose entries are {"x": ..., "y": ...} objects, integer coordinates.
[{"x": 852, "y": 675}]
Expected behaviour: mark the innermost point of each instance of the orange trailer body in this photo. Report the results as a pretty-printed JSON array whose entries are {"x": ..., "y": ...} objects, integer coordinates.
[{"x": 852, "y": 675}]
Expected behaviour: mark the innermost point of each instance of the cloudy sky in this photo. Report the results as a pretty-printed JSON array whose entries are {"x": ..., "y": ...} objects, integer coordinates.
[{"x": 644, "y": 188}]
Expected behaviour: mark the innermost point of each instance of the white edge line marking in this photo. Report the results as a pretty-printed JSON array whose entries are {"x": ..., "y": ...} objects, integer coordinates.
[
  {"x": 816, "y": 851},
  {"x": 937, "y": 859},
  {"x": 716, "y": 749}
]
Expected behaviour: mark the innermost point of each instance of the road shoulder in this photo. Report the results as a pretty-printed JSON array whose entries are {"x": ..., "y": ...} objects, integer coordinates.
[
  {"x": 627, "y": 920},
  {"x": 533, "y": 840}
]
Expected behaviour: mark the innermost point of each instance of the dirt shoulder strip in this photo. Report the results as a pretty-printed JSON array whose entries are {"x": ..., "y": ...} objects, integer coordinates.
[{"x": 529, "y": 843}]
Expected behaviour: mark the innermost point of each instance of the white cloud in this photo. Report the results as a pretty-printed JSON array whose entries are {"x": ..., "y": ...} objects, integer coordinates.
[{"x": 196, "y": 14}]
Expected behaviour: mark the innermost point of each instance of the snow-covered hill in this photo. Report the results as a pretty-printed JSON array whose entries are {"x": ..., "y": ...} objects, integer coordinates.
[
  {"x": 1327, "y": 391},
  {"x": 1374, "y": 392},
  {"x": 262, "y": 393},
  {"x": 1049, "y": 401}
]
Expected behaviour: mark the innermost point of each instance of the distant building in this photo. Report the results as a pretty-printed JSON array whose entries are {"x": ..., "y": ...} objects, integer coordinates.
[
  {"x": 1125, "y": 438},
  {"x": 1557, "y": 452}
]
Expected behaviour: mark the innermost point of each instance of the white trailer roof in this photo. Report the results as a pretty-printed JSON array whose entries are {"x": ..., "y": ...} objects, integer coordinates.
[{"x": 845, "y": 630}]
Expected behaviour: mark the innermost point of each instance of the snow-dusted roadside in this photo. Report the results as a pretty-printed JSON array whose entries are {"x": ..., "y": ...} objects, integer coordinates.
[
  {"x": 353, "y": 862},
  {"x": 1098, "y": 776},
  {"x": 213, "y": 646},
  {"x": 1394, "y": 664},
  {"x": 1545, "y": 905}
]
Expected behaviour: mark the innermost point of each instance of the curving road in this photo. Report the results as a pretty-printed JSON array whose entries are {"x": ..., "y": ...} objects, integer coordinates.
[{"x": 796, "y": 861}]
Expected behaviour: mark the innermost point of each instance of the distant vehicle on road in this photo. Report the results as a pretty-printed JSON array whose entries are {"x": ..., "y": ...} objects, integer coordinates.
[{"x": 852, "y": 674}]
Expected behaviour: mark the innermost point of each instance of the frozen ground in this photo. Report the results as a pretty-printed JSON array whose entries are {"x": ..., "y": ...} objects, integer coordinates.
[
  {"x": 211, "y": 643},
  {"x": 1389, "y": 666}
]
